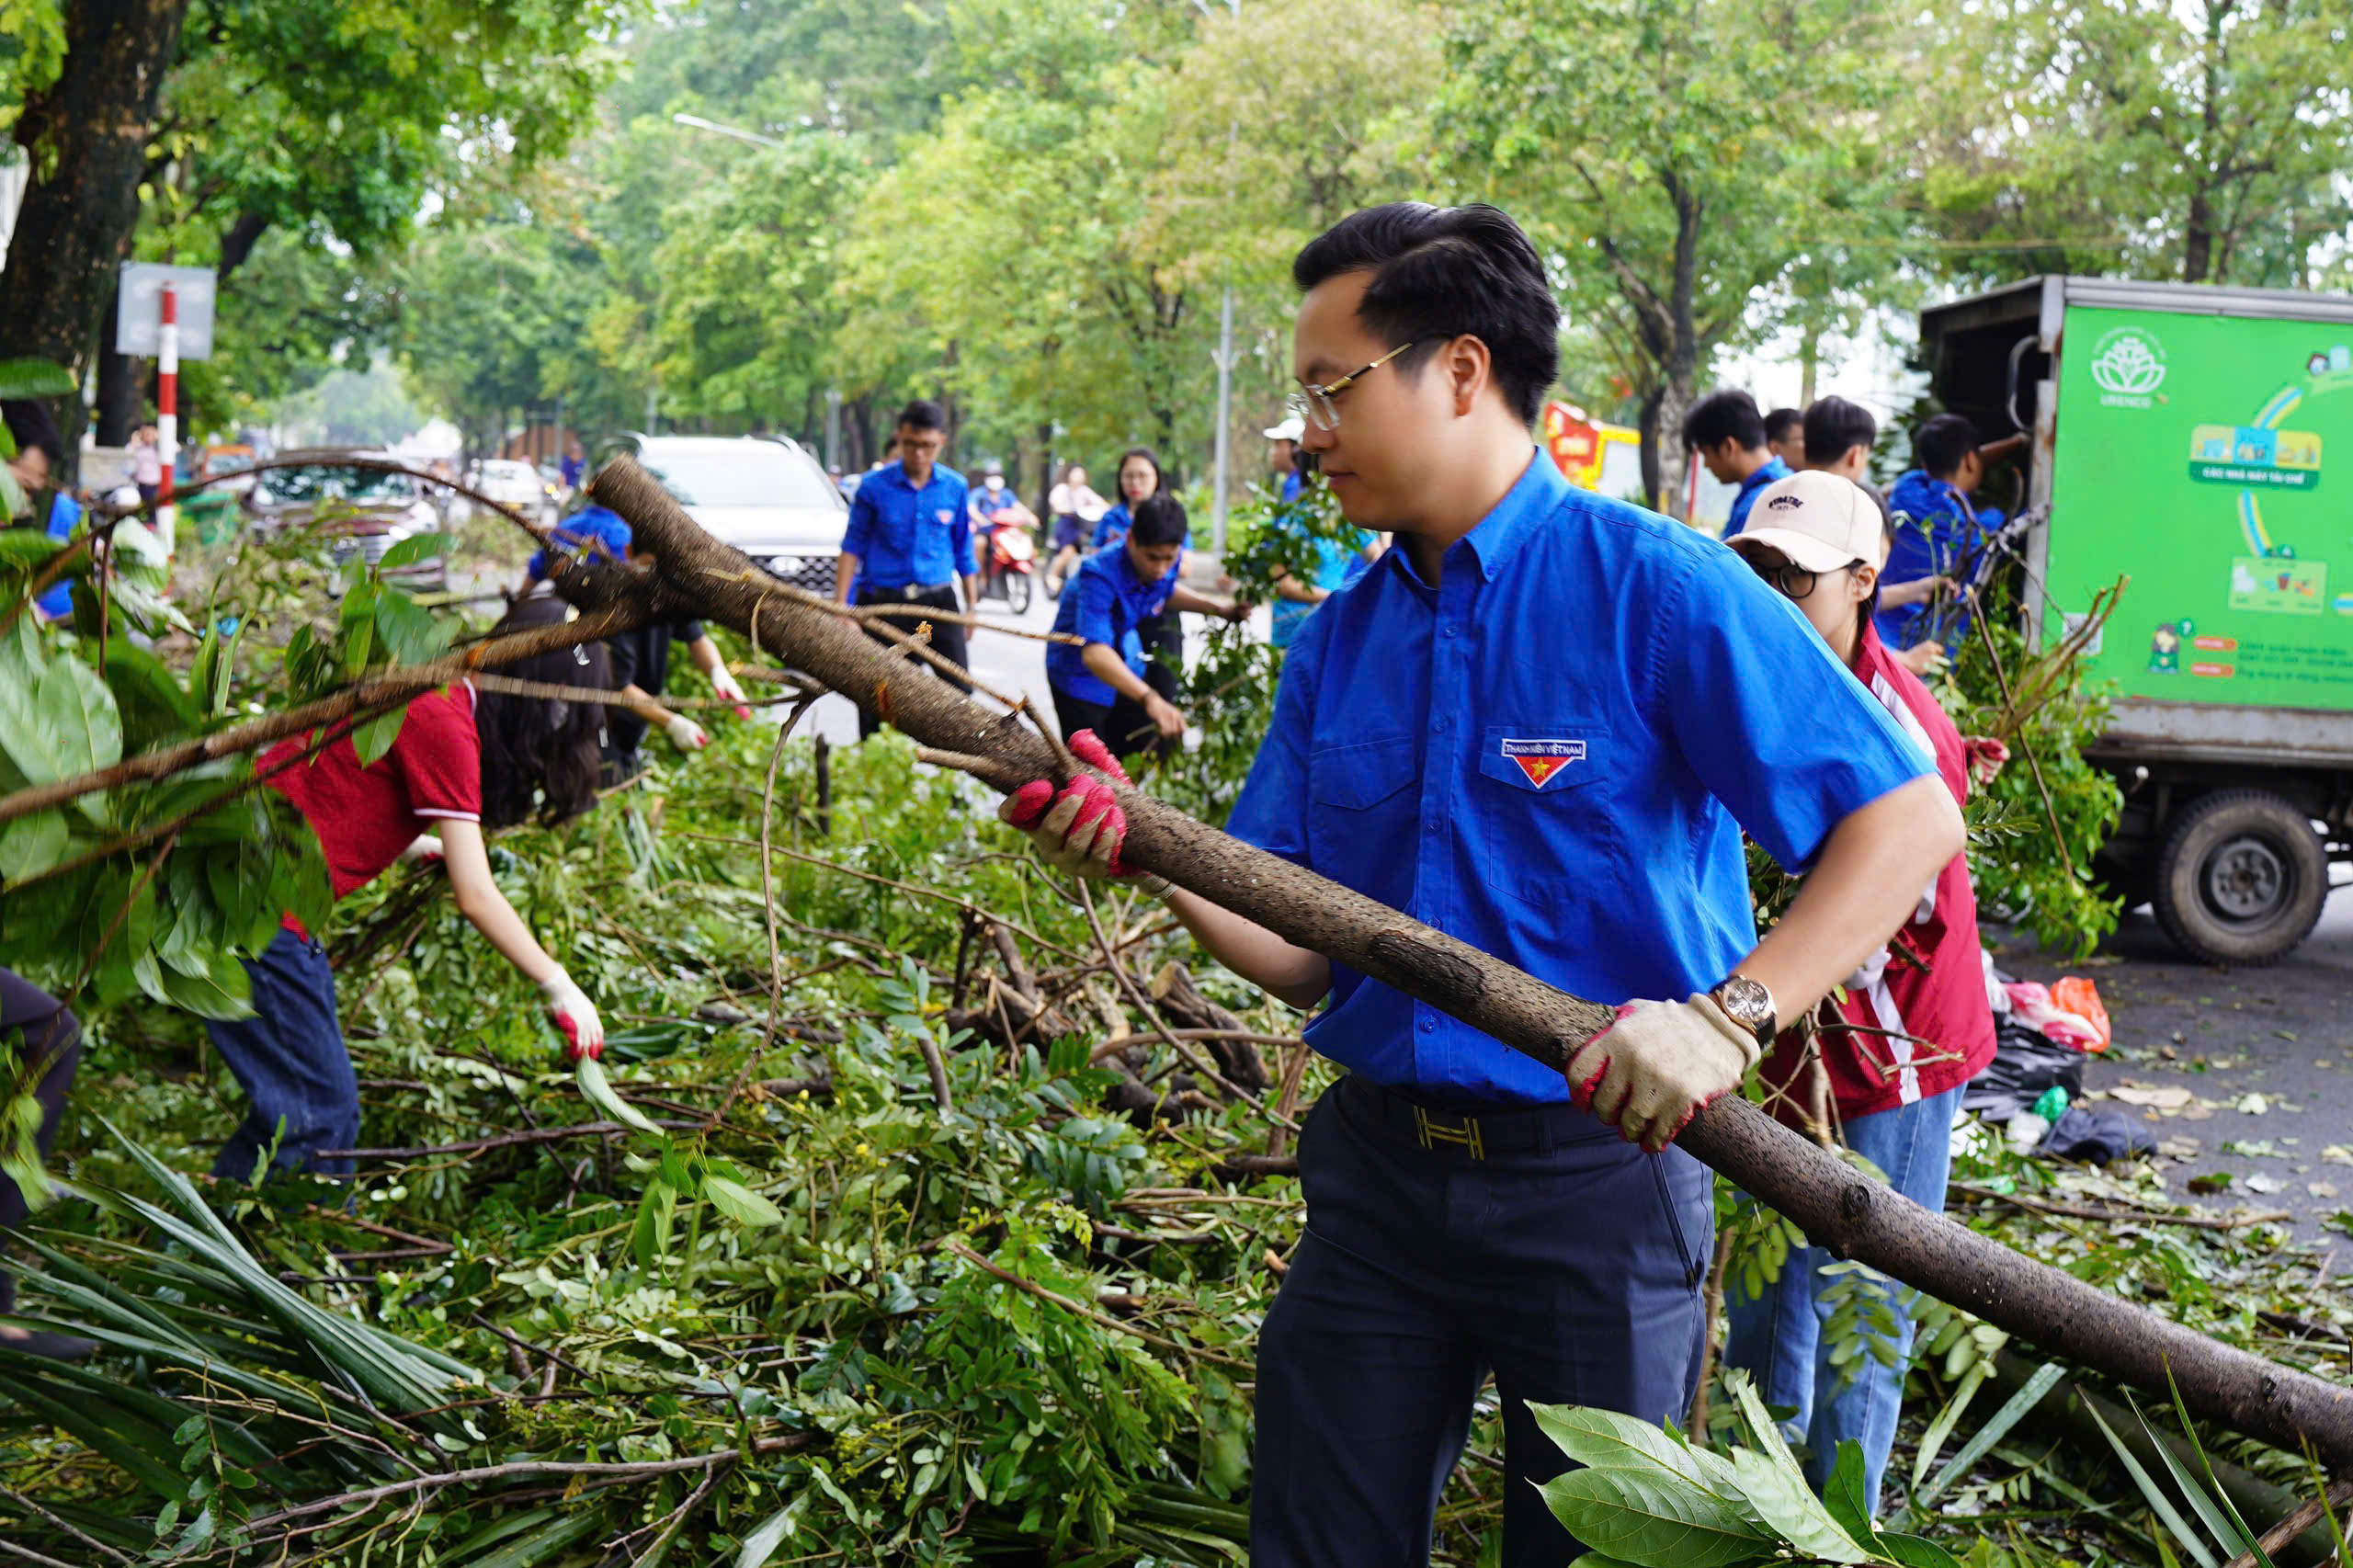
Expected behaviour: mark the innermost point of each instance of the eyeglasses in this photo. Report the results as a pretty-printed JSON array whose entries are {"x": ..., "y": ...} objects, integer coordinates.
[
  {"x": 1315, "y": 403},
  {"x": 1795, "y": 580}
]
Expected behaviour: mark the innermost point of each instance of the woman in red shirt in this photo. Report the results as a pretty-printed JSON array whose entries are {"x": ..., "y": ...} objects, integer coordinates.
[
  {"x": 1915, "y": 1025},
  {"x": 423, "y": 798}
]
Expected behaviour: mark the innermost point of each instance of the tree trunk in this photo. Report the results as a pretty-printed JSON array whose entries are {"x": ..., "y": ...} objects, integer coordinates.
[
  {"x": 121, "y": 403},
  {"x": 1837, "y": 1206},
  {"x": 238, "y": 243},
  {"x": 1653, "y": 459},
  {"x": 87, "y": 135},
  {"x": 2198, "y": 237}
]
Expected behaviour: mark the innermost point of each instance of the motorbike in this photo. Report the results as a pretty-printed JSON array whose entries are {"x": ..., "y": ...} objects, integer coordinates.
[{"x": 1010, "y": 562}]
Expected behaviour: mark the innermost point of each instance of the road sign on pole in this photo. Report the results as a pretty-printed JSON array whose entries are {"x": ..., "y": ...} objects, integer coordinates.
[{"x": 139, "y": 309}]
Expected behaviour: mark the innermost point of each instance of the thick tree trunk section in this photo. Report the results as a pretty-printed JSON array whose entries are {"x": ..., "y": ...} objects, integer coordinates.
[
  {"x": 120, "y": 401},
  {"x": 87, "y": 135},
  {"x": 1836, "y": 1206}
]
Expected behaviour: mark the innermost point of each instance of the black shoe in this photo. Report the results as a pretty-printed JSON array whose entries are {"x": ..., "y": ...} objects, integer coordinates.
[{"x": 55, "y": 1346}]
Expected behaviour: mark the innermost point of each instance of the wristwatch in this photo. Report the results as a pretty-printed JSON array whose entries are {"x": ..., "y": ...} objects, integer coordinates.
[{"x": 1749, "y": 1004}]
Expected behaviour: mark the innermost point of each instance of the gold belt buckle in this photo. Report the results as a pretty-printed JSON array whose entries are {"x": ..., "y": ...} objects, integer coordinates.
[{"x": 1434, "y": 1133}]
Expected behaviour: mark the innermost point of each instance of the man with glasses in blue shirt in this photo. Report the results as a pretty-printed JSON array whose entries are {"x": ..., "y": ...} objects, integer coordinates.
[
  {"x": 909, "y": 539},
  {"x": 1540, "y": 724}
]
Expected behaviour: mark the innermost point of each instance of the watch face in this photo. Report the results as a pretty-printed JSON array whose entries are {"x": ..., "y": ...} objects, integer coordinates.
[{"x": 1750, "y": 1004}]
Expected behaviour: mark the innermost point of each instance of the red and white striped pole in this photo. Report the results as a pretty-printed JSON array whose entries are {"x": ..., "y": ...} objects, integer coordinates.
[{"x": 167, "y": 416}]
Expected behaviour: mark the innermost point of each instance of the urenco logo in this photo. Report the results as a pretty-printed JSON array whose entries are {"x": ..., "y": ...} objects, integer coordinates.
[
  {"x": 1542, "y": 761},
  {"x": 2129, "y": 366}
]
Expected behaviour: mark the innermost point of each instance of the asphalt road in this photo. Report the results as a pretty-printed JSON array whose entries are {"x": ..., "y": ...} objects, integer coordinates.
[{"x": 2264, "y": 1057}]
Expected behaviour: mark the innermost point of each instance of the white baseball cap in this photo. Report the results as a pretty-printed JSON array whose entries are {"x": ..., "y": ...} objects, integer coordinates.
[
  {"x": 1293, "y": 429},
  {"x": 1820, "y": 521}
]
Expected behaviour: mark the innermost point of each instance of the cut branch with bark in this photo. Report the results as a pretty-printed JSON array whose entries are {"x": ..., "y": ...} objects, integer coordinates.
[{"x": 1833, "y": 1204}]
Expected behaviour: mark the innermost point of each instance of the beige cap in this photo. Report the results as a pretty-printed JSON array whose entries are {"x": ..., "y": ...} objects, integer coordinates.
[{"x": 1820, "y": 521}]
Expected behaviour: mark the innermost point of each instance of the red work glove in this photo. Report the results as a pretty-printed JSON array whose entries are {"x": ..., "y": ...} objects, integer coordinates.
[
  {"x": 1080, "y": 829},
  {"x": 1648, "y": 1074}
]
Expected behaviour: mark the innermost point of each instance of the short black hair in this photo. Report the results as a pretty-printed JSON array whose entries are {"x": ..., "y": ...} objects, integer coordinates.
[
  {"x": 1159, "y": 519},
  {"x": 1442, "y": 272},
  {"x": 1942, "y": 443},
  {"x": 1725, "y": 415},
  {"x": 1781, "y": 422},
  {"x": 1835, "y": 427},
  {"x": 922, "y": 414},
  {"x": 30, "y": 423}
]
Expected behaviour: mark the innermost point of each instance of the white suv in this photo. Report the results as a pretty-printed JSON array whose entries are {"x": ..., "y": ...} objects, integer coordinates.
[{"x": 763, "y": 494}]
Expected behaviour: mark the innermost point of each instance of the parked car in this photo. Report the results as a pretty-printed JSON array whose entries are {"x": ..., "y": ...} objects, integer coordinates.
[
  {"x": 766, "y": 495},
  {"x": 232, "y": 459},
  {"x": 361, "y": 512},
  {"x": 511, "y": 482}
]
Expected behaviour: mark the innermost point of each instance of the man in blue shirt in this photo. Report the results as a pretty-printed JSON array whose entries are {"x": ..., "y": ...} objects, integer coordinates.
[
  {"x": 1935, "y": 537},
  {"x": 39, "y": 463},
  {"x": 1727, "y": 434},
  {"x": 1115, "y": 595},
  {"x": 909, "y": 539},
  {"x": 1540, "y": 723},
  {"x": 1284, "y": 458}
]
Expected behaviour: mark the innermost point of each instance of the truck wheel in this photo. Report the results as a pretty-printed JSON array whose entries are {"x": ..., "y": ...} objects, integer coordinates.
[{"x": 2240, "y": 879}]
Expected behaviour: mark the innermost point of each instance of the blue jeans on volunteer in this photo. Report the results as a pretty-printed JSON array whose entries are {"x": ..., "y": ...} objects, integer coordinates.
[{"x": 1551, "y": 755}]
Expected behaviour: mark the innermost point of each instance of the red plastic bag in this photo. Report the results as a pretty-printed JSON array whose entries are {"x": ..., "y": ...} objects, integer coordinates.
[{"x": 2081, "y": 997}]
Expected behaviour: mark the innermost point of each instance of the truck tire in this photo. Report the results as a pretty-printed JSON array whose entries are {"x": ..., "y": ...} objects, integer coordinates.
[{"x": 2241, "y": 879}]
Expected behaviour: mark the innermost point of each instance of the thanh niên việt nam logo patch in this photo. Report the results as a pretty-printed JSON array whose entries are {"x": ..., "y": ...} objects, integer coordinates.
[{"x": 1542, "y": 760}]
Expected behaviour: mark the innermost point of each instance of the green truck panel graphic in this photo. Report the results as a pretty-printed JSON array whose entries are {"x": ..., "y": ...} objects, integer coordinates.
[{"x": 2193, "y": 454}]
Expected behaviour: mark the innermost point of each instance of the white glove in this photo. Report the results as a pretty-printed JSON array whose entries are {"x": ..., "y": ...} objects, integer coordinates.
[
  {"x": 425, "y": 847},
  {"x": 685, "y": 733},
  {"x": 1867, "y": 975},
  {"x": 1648, "y": 1074},
  {"x": 722, "y": 682},
  {"x": 575, "y": 1015}
]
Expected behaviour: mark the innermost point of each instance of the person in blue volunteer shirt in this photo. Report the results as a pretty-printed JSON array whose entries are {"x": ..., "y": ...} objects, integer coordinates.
[
  {"x": 1139, "y": 478},
  {"x": 39, "y": 463},
  {"x": 1116, "y": 595},
  {"x": 909, "y": 539},
  {"x": 1936, "y": 535},
  {"x": 1284, "y": 456},
  {"x": 1541, "y": 724},
  {"x": 1161, "y": 633},
  {"x": 1327, "y": 566},
  {"x": 1727, "y": 434}
]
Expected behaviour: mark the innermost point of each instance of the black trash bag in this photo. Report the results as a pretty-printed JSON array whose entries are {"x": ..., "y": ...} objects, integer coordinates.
[
  {"x": 2026, "y": 1062},
  {"x": 2097, "y": 1136}
]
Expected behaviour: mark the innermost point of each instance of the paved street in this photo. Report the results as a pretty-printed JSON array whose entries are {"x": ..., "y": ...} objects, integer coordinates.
[{"x": 2266, "y": 1056}]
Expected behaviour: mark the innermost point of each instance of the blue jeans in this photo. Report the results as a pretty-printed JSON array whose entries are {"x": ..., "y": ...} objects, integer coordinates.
[
  {"x": 291, "y": 1057},
  {"x": 1778, "y": 1337},
  {"x": 1571, "y": 1267}
]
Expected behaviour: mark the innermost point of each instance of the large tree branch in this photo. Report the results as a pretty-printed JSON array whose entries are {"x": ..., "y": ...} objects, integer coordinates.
[{"x": 1835, "y": 1205}]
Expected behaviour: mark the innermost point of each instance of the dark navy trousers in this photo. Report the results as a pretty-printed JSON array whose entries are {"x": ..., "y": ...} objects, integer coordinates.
[{"x": 1536, "y": 1246}]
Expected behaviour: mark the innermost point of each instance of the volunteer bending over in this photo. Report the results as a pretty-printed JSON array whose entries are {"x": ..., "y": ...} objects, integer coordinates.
[{"x": 290, "y": 1055}]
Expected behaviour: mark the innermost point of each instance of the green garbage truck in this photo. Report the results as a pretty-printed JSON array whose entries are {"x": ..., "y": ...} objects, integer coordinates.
[{"x": 2182, "y": 437}]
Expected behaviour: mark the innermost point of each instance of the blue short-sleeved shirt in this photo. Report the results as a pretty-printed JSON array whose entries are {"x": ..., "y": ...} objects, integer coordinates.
[
  {"x": 1936, "y": 529},
  {"x": 1774, "y": 469},
  {"x": 1292, "y": 483},
  {"x": 64, "y": 515},
  {"x": 1104, "y": 603},
  {"x": 1551, "y": 757},
  {"x": 1335, "y": 566},
  {"x": 904, "y": 537},
  {"x": 573, "y": 533},
  {"x": 1112, "y": 526}
]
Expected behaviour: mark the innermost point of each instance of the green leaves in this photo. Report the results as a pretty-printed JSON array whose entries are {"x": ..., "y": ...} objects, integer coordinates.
[
  {"x": 739, "y": 1203},
  {"x": 1649, "y": 1499},
  {"x": 1652, "y": 1518},
  {"x": 589, "y": 1073},
  {"x": 34, "y": 378}
]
